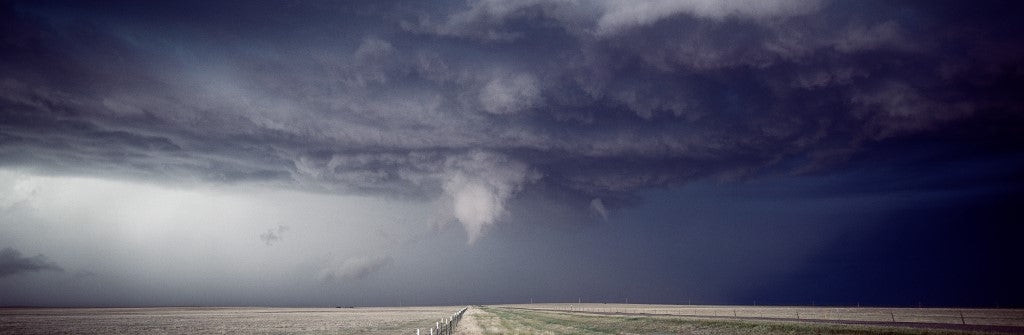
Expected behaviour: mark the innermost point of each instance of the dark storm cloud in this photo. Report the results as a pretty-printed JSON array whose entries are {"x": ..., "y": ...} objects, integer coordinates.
[
  {"x": 482, "y": 99},
  {"x": 12, "y": 263}
]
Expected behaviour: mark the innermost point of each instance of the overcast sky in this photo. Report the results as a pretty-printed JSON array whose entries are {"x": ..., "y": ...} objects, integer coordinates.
[{"x": 321, "y": 153}]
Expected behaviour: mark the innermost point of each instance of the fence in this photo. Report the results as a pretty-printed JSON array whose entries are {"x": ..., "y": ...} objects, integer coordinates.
[{"x": 447, "y": 324}]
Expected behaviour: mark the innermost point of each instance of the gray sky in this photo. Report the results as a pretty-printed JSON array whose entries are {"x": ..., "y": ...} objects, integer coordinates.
[{"x": 404, "y": 152}]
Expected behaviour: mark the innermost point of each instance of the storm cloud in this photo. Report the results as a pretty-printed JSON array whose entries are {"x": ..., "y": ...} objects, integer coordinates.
[
  {"x": 465, "y": 151},
  {"x": 12, "y": 263},
  {"x": 356, "y": 268},
  {"x": 475, "y": 102}
]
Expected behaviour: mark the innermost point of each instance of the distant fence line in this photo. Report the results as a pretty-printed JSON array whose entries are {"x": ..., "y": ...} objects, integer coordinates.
[{"x": 447, "y": 324}]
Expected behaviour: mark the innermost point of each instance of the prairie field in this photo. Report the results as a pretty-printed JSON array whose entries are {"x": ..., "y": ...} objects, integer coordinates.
[
  {"x": 723, "y": 320},
  {"x": 184, "y": 320},
  {"x": 970, "y": 316},
  {"x": 515, "y": 319}
]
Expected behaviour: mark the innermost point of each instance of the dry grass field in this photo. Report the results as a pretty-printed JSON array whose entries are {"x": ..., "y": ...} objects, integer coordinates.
[
  {"x": 512, "y": 319},
  {"x": 971, "y": 316},
  {"x": 721, "y": 320},
  {"x": 397, "y": 320}
]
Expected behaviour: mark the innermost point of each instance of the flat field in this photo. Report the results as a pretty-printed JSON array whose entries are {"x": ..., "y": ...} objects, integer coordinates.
[
  {"x": 714, "y": 320},
  {"x": 393, "y": 320},
  {"x": 970, "y": 316},
  {"x": 515, "y": 319}
]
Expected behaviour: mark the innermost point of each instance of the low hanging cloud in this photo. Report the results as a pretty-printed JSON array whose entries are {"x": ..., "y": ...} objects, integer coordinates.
[
  {"x": 273, "y": 235},
  {"x": 12, "y": 262},
  {"x": 356, "y": 268},
  {"x": 479, "y": 185},
  {"x": 597, "y": 206},
  {"x": 476, "y": 102}
]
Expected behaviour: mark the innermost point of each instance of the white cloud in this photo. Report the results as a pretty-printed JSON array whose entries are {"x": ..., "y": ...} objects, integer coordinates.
[
  {"x": 479, "y": 184},
  {"x": 15, "y": 189},
  {"x": 620, "y": 15},
  {"x": 486, "y": 19},
  {"x": 373, "y": 49},
  {"x": 898, "y": 108},
  {"x": 509, "y": 94}
]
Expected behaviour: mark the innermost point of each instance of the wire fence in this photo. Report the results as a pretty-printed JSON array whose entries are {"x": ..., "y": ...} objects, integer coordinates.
[{"x": 446, "y": 326}]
